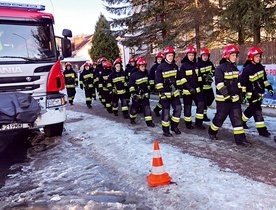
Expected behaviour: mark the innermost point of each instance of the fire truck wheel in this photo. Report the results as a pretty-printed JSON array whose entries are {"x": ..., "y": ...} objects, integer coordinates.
[{"x": 53, "y": 130}]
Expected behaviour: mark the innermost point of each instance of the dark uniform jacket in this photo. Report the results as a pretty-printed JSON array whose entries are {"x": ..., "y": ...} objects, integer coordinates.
[
  {"x": 71, "y": 78},
  {"x": 206, "y": 70},
  {"x": 139, "y": 84},
  {"x": 167, "y": 80},
  {"x": 117, "y": 82},
  {"x": 103, "y": 78},
  {"x": 86, "y": 78},
  {"x": 227, "y": 83},
  {"x": 254, "y": 81},
  {"x": 190, "y": 77},
  {"x": 152, "y": 75}
]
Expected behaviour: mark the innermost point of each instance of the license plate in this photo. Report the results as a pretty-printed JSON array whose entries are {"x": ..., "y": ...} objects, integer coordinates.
[{"x": 11, "y": 126}]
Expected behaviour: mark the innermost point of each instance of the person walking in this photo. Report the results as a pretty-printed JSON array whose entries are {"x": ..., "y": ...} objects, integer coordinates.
[
  {"x": 192, "y": 89},
  {"x": 158, "y": 60},
  {"x": 206, "y": 70},
  {"x": 254, "y": 82},
  {"x": 140, "y": 92},
  {"x": 167, "y": 83},
  {"x": 228, "y": 96},
  {"x": 71, "y": 81},
  {"x": 86, "y": 83}
]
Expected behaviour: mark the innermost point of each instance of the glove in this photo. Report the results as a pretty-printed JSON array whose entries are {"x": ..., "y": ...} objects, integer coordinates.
[
  {"x": 271, "y": 92},
  {"x": 81, "y": 87},
  {"x": 209, "y": 79},
  {"x": 76, "y": 84},
  {"x": 110, "y": 92},
  {"x": 134, "y": 96},
  {"x": 192, "y": 91},
  {"x": 163, "y": 96},
  {"x": 228, "y": 98}
]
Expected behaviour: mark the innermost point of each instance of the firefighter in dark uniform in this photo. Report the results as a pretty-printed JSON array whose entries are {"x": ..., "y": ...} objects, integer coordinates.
[
  {"x": 98, "y": 72},
  {"x": 206, "y": 69},
  {"x": 158, "y": 59},
  {"x": 71, "y": 81},
  {"x": 140, "y": 93},
  {"x": 254, "y": 82},
  {"x": 117, "y": 87},
  {"x": 167, "y": 83},
  {"x": 93, "y": 67},
  {"x": 192, "y": 89},
  {"x": 86, "y": 83},
  {"x": 103, "y": 81},
  {"x": 131, "y": 64},
  {"x": 228, "y": 96}
]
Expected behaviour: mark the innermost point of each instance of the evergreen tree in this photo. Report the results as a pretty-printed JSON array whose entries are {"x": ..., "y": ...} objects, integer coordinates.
[
  {"x": 247, "y": 18},
  {"x": 160, "y": 23},
  {"x": 104, "y": 44}
]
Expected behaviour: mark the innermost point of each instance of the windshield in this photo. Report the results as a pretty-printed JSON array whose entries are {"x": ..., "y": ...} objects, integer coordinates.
[{"x": 27, "y": 42}]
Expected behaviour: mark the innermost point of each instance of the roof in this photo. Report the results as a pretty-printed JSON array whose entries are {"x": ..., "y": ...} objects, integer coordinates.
[{"x": 86, "y": 41}]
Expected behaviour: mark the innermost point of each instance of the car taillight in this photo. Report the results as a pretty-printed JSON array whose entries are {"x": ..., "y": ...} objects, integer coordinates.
[{"x": 55, "y": 79}]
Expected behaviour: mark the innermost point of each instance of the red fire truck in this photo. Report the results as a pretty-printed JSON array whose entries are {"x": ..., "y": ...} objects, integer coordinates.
[{"x": 30, "y": 64}]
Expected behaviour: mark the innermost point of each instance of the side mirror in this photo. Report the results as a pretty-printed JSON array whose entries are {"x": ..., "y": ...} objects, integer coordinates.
[
  {"x": 66, "y": 47},
  {"x": 66, "y": 33}
]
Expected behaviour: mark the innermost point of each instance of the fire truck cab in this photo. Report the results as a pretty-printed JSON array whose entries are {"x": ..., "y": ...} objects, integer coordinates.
[{"x": 30, "y": 63}]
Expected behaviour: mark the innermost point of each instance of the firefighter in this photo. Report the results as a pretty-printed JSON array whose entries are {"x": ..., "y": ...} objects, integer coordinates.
[
  {"x": 117, "y": 87},
  {"x": 103, "y": 81},
  {"x": 93, "y": 67},
  {"x": 71, "y": 81},
  {"x": 86, "y": 83},
  {"x": 158, "y": 59},
  {"x": 98, "y": 72},
  {"x": 131, "y": 64},
  {"x": 228, "y": 96},
  {"x": 192, "y": 89},
  {"x": 254, "y": 82},
  {"x": 140, "y": 93},
  {"x": 167, "y": 83},
  {"x": 206, "y": 69}
]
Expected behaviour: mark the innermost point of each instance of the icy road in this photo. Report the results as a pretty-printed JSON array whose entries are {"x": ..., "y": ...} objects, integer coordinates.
[{"x": 101, "y": 162}]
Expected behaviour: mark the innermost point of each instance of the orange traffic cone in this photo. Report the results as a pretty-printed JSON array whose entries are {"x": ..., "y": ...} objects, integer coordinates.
[{"x": 158, "y": 175}]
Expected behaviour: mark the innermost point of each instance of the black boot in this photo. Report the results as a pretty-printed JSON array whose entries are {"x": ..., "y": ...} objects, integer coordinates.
[
  {"x": 115, "y": 113},
  {"x": 265, "y": 134},
  {"x": 176, "y": 130},
  {"x": 89, "y": 106},
  {"x": 156, "y": 111},
  {"x": 132, "y": 121},
  {"x": 126, "y": 116},
  {"x": 200, "y": 126},
  {"x": 213, "y": 136},
  {"x": 150, "y": 124},
  {"x": 244, "y": 143},
  {"x": 167, "y": 134}
]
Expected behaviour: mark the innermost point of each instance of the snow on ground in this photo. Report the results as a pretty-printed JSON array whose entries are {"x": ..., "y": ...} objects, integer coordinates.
[{"x": 98, "y": 156}]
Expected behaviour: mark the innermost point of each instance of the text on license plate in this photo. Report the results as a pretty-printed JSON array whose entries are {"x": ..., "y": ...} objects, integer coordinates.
[{"x": 11, "y": 126}]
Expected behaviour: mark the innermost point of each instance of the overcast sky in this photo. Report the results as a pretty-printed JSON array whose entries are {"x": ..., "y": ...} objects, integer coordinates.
[{"x": 79, "y": 16}]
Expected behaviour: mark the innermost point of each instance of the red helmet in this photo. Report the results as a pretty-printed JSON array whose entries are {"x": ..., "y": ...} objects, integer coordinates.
[
  {"x": 118, "y": 60},
  {"x": 107, "y": 65},
  {"x": 190, "y": 49},
  {"x": 159, "y": 55},
  {"x": 169, "y": 50},
  {"x": 204, "y": 51},
  {"x": 102, "y": 59},
  {"x": 141, "y": 61},
  {"x": 131, "y": 60},
  {"x": 68, "y": 64},
  {"x": 87, "y": 64},
  {"x": 137, "y": 58},
  {"x": 94, "y": 63},
  {"x": 252, "y": 52},
  {"x": 229, "y": 50}
]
